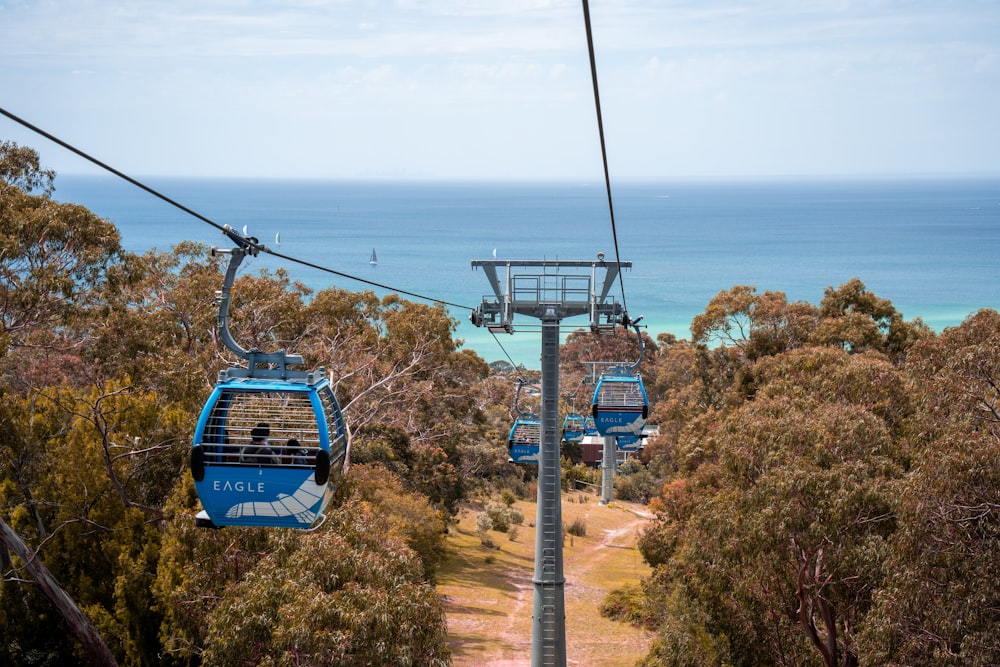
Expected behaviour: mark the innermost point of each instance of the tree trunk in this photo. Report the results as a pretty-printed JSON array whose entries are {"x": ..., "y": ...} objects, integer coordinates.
[{"x": 79, "y": 624}]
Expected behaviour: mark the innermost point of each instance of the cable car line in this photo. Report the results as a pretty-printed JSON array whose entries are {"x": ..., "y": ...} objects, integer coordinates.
[
  {"x": 361, "y": 280},
  {"x": 229, "y": 231},
  {"x": 222, "y": 228},
  {"x": 107, "y": 167},
  {"x": 502, "y": 348},
  {"x": 604, "y": 150}
]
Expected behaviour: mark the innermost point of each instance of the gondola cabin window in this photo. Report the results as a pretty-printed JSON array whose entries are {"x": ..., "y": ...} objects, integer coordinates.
[{"x": 243, "y": 427}]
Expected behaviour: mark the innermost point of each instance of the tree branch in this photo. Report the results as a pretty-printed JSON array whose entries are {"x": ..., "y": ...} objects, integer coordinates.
[{"x": 85, "y": 632}]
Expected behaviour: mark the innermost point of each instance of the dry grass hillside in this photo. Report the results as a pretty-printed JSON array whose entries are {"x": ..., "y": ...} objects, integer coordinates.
[{"x": 489, "y": 594}]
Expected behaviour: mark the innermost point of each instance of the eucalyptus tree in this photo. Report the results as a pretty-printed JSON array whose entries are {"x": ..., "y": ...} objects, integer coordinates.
[
  {"x": 857, "y": 320},
  {"x": 941, "y": 601},
  {"x": 354, "y": 591},
  {"x": 57, "y": 263},
  {"x": 756, "y": 324},
  {"x": 849, "y": 316},
  {"x": 777, "y": 522}
]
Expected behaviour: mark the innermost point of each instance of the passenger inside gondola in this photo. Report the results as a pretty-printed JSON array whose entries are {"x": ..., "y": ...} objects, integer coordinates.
[
  {"x": 259, "y": 451},
  {"x": 294, "y": 453}
]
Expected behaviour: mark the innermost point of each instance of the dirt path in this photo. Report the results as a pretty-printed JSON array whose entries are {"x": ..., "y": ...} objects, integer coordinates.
[{"x": 489, "y": 592}]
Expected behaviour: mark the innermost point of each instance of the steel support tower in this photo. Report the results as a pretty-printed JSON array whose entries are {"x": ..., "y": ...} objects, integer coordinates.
[
  {"x": 549, "y": 291},
  {"x": 609, "y": 461},
  {"x": 609, "y": 455}
]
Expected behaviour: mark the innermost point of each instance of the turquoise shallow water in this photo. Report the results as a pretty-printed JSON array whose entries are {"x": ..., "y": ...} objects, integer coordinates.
[{"x": 930, "y": 246}]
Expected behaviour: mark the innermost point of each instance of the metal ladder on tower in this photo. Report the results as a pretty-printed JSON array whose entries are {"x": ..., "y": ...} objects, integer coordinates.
[{"x": 550, "y": 625}]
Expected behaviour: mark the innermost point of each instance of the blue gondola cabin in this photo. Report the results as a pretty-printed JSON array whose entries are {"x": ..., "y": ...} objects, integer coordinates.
[
  {"x": 524, "y": 443},
  {"x": 628, "y": 443},
  {"x": 620, "y": 406},
  {"x": 573, "y": 428},
  {"x": 269, "y": 452}
]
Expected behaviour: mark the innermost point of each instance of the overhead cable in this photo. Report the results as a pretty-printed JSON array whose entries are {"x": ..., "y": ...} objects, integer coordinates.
[
  {"x": 172, "y": 202},
  {"x": 513, "y": 365},
  {"x": 604, "y": 150}
]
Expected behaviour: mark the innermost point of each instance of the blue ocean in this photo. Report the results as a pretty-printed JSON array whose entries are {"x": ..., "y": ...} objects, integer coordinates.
[{"x": 928, "y": 245}]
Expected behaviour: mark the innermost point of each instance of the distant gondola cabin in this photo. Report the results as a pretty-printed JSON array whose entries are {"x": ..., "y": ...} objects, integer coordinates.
[
  {"x": 573, "y": 428},
  {"x": 628, "y": 443},
  {"x": 620, "y": 406},
  {"x": 524, "y": 443}
]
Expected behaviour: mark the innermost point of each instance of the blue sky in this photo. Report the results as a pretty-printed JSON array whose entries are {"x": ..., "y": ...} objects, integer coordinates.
[{"x": 429, "y": 89}]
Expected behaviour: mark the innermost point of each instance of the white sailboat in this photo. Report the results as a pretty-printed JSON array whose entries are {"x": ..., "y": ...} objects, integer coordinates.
[{"x": 374, "y": 259}]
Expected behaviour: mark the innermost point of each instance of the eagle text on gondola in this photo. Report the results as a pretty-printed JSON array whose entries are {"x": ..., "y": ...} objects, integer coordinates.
[{"x": 250, "y": 487}]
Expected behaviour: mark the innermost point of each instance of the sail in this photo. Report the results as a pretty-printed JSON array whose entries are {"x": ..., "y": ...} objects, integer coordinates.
[{"x": 374, "y": 259}]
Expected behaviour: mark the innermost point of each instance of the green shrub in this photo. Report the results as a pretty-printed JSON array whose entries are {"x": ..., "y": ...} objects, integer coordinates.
[
  {"x": 499, "y": 516},
  {"x": 629, "y": 604},
  {"x": 577, "y": 527},
  {"x": 631, "y": 466},
  {"x": 571, "y": 474},
  {"x": 638, "y": 487},
  {"x": 484, "y": 524}
]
